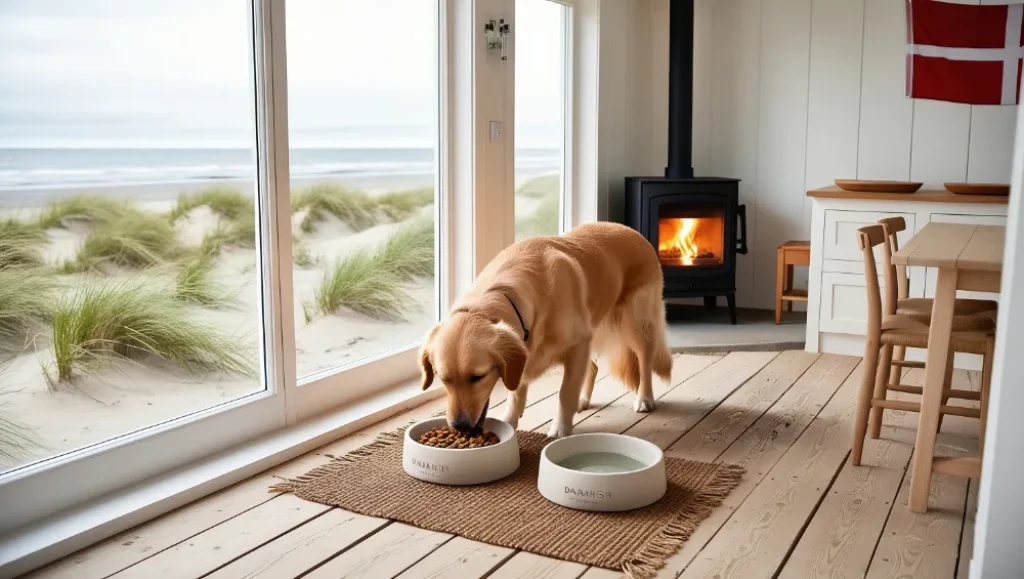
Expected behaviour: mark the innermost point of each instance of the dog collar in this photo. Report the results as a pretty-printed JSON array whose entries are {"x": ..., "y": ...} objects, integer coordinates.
[{"x": 526, "y": 332}]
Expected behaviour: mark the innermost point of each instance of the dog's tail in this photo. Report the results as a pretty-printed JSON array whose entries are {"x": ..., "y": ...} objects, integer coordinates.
[{"x": 626, "y": 367}]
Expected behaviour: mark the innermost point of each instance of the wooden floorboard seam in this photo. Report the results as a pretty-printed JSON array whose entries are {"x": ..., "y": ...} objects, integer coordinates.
[
  {"x": 963, "y": 524},
  {"x": 260, "y": 546},
  {"x": 797, "y": 436},
  {"x": 361, "y": 540},
  {"x": 759, "y": 416},
  {"x": 810, "y": 517},
  {"x": 892, "y": 505},
  {"x": 425, "y": 555}
]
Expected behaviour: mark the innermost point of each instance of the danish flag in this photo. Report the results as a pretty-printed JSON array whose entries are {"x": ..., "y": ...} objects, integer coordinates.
[{"x": 965, "y": 53}]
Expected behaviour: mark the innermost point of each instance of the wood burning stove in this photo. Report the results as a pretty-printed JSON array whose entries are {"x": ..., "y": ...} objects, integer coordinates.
[{"x": 696, "y": 225}]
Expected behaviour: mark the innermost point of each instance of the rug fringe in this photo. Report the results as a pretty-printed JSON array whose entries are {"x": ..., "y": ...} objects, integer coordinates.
[
  {"x": 384, "y": 439},
  {"x": 655, "y": 554}
]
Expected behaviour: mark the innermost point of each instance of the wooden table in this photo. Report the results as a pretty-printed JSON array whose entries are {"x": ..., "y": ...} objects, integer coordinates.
[{"x": 968, "y": 257}]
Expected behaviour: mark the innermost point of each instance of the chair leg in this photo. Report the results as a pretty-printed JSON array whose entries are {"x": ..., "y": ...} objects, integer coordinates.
[
  {"x": 867, "y": 389},
  {"x": 899, "y": 354},
  {"x": 947, "y": 385},
  {"x": 789, "y": 286},
  {"x": 986, "y": 384},
  {"x": 779, "y": 287},
  {"x": 881, "y": 388}
]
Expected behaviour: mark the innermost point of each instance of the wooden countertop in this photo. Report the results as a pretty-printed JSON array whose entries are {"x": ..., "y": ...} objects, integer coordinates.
[{"x": 922, "y": 195}]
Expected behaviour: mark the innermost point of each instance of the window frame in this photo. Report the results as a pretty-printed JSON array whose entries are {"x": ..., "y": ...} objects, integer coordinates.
[
  {"x": 66, "y": 481},
  {"x": 475, "y": 184}
]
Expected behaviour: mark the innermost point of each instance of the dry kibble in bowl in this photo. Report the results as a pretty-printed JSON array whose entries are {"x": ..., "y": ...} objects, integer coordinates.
[{"x": 447, "y": 437}]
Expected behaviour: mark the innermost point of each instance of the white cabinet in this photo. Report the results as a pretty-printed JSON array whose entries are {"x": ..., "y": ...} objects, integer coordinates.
[
  {"x": 837, "y": 305},
  {"x": 841, "y": 225}
]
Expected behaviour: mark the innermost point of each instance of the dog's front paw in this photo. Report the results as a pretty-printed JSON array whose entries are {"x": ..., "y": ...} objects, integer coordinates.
[
  {"x": 643, "y": 404},
  {"x": 583, "y": 405},
  {"x": 511, "y": 418},
  {"x": 559, "y": 431}
]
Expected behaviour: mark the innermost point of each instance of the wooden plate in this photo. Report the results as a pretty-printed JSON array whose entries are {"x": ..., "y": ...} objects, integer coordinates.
[
  {"x": 1000, "y": 189},
  {"x": 862, "y": 186}
]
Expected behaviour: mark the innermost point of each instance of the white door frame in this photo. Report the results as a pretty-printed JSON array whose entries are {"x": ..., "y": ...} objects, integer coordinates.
[{"x": 997, "y": 545}]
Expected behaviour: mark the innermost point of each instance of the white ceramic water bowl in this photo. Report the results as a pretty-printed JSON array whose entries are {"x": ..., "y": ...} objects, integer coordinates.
[
  {"x": 466, "y": 466},
  {"x": 606, "y": 472}
]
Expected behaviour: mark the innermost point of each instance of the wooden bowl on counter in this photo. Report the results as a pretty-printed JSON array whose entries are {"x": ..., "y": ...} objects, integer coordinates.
[{"x": 864, "y": 186}]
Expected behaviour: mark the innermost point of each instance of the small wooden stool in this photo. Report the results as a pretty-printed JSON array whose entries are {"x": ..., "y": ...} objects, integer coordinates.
[{"x": 791, "y": 253}]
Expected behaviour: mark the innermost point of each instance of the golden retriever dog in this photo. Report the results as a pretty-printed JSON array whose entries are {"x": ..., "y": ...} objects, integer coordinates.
[{"x": 553, "y": 300}]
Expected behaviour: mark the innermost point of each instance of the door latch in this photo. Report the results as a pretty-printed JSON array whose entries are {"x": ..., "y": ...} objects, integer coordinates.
[{"x": 496, "y": 33}]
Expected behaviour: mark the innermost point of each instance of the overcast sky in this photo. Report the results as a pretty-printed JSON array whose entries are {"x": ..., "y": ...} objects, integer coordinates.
[{"x": 160, "y": 72}]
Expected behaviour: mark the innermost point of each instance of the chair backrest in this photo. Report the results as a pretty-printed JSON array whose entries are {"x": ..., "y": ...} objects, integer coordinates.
[
  {"x": 892, "y": 226},
  {"x": 868, "y": 238}
]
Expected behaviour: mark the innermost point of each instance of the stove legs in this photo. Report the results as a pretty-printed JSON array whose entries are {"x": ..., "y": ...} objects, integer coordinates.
[
  {"x": 710, "y": 302},
  {"x": 731, "y": 297}
]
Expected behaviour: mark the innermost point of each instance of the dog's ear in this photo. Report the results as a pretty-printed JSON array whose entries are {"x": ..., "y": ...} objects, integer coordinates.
[
  {"x": 511, "y": 354},
  {"x": 425, "y": 365}
]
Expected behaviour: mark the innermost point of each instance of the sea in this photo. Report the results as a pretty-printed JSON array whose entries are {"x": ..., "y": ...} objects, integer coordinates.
[{"x": 56, "y": 168}]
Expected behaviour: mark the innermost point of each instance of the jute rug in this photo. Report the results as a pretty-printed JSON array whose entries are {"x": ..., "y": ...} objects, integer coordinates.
[{"x": 511, "y": 512}]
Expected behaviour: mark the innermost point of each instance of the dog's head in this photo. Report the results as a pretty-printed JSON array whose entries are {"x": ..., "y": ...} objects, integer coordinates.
[{"x": 469, "y": 353}]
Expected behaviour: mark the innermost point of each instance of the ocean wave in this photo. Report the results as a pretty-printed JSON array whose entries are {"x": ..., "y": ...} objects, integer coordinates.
[{"x": 87, "y": 167}]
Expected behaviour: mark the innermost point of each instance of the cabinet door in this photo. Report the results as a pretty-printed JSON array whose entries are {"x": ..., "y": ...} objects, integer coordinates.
[
  {"x": 932, "y": 273},
  {"x": 844, "y": 304},
  {"x": 841, "y": 231}
]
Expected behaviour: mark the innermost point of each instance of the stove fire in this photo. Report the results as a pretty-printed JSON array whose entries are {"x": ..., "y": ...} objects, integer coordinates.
[{"x": 690, "y": 241}]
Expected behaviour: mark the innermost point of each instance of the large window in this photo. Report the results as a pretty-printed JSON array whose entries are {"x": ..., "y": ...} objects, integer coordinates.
[
  {"x": 219, "y": 218},
  {"x": 363, "y": 149},
  {"x": 129, "y": 289},
  {"x": 541, "y": 88}
]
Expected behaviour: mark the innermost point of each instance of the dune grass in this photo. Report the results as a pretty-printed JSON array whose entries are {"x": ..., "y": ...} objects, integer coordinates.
[
  {"x": 18, "y": 442},
  {"x": 26, "y": 296},
  {"x": 20, "y": 242},
  {"x": 355, "y": 208},
  {"x": 358, "y": 283},
  {"x": 543, "y": 220},
  {"x": 369, "y": 281},
  {"x": 134, "y": 240},
  {"x": 229, "y": 203},
  {"x": 409, "y": 251},
  {"x": 194, "y": 284},
  {"x": 400, "y": 205},
  {"x": 543, "y": 186},
  {"x": 100, "y": 323},
  {"x": 239, "y": 232},
  {"x": 89, "y": 208},
  {"x": 303, "y": 257}
]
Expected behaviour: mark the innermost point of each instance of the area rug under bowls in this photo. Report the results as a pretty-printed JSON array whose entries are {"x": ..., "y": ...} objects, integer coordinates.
[{"x": 511, "y": 512}]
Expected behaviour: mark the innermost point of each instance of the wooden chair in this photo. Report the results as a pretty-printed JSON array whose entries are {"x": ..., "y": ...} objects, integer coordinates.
[
  {"x": 886, "y": 330},
  {"x": 790, "y": 254},
  {"x": 968, "y": 315}
]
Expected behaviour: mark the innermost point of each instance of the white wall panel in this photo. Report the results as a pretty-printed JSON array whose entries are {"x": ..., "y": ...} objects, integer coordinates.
[
  {"x": 735, "y": 72},
  {"x": 886, "y": 115},
  {"x": 833, "y": 100},
  {"x": 939, "y": 147},
  {"x": 991, "y": 144}
]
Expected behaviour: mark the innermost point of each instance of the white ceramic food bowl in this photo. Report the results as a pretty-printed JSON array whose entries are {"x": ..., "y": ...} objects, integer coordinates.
[
  {"x": 467, "y": 466},
  {"x": 602, "y": 491}
]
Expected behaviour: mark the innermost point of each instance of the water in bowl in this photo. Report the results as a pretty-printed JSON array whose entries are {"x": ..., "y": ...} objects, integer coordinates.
[{"x": 601, "y": 462}]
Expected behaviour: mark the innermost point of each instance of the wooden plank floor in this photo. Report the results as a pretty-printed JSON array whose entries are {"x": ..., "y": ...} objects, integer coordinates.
[{"x": 802, "y": 511}]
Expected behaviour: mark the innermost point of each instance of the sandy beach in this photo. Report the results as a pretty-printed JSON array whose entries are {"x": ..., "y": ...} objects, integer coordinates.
[{"x": 130, "y": 394}]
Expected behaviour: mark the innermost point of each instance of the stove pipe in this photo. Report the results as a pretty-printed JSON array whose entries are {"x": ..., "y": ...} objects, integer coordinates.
[{"x": 680, "y": 91}]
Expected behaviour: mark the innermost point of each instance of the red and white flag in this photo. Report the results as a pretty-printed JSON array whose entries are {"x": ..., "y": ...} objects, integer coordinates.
[{"x": 965, "y": 53}]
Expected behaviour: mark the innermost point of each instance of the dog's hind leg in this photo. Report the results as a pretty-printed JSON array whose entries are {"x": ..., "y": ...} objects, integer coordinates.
[
  {"x": 576, "y": 363},
  {"x": 588, "y": 387},
  {"x": 636, "y": 333},
  {"x": 515, "y": 405}
]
